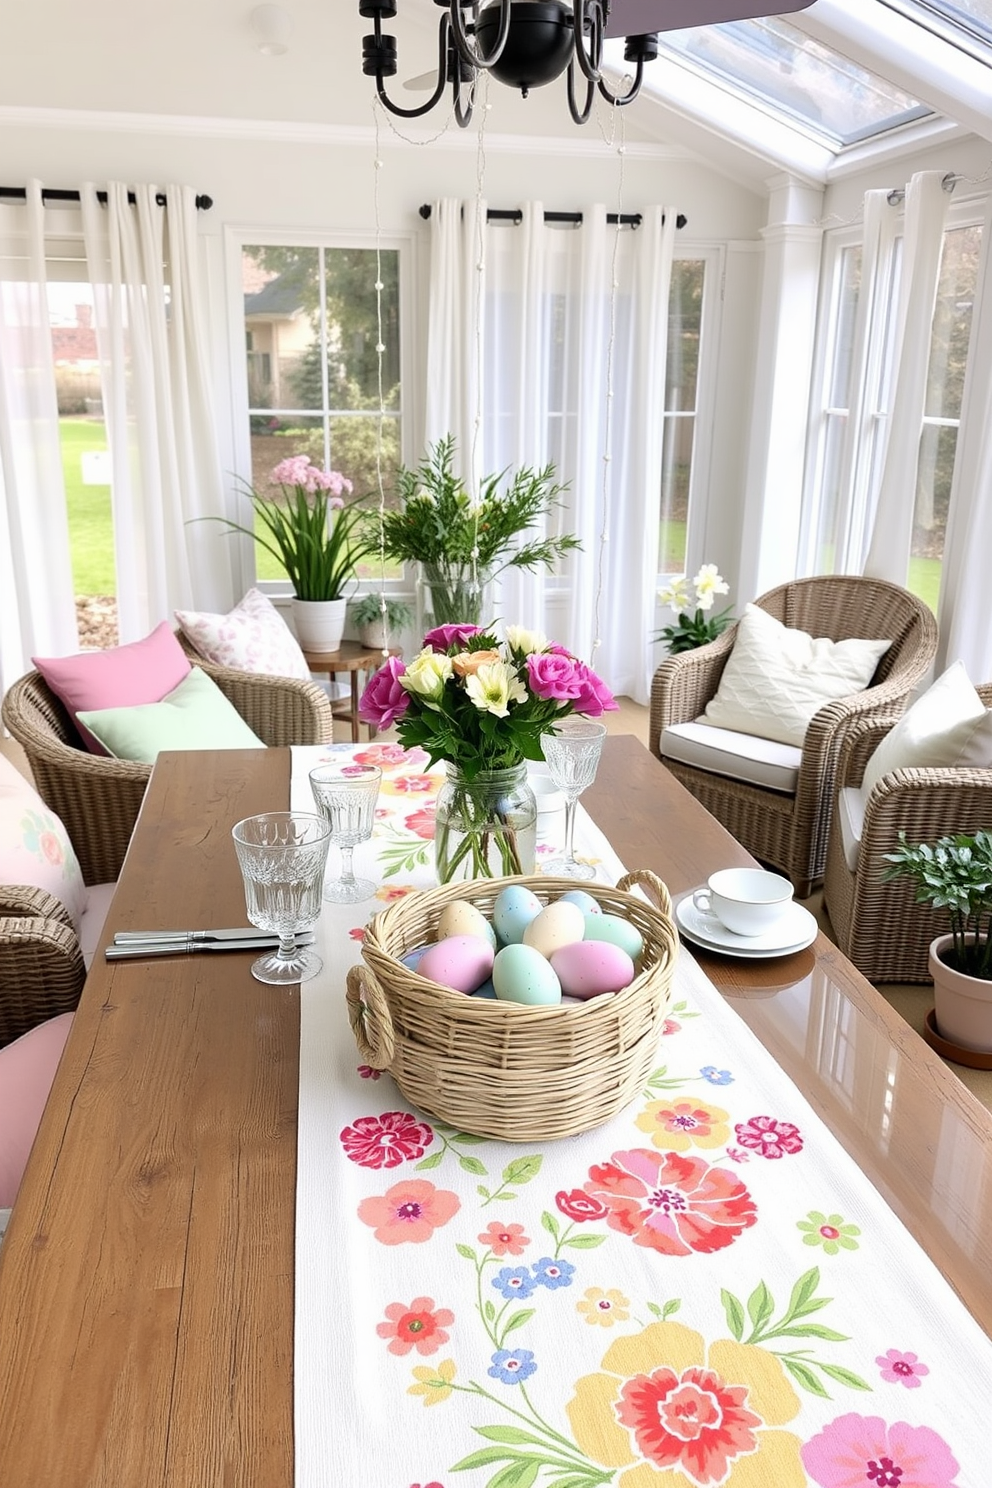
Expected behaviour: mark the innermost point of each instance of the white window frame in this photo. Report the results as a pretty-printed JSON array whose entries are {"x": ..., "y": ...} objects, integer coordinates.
[{"x": 713, "y": 255}]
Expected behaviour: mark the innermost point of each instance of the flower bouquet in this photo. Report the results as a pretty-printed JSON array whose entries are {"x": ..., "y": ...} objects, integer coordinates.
[
  {"x": 481, "y": 705},
  {"x": 690, "y": 631}
]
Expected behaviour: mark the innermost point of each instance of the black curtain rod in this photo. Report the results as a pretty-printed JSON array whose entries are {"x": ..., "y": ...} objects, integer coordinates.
[
  {"x": 49, "y": 194},
  {"x": 514, "y": 214}
]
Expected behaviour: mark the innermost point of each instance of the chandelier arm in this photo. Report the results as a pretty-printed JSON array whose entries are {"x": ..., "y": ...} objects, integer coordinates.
[
  {"x": 442, "y": 80},
  {"x": 463, "y": 112},
  {"x": 620, "y": 99},
  {"x": 461, "y": 37},
  {"x": 588, "y": 13},
  {"x": 579, "y": 116}
]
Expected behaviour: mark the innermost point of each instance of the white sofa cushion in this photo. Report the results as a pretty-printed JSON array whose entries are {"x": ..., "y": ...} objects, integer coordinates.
[
  {"x": 851, "y": 803},
  {"x": 948, "y": 726},
  {"x": 756, "y": 761},
  {"x": 777, "y": 678}
]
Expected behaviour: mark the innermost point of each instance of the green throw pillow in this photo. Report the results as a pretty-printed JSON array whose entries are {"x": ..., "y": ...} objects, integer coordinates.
[{"x": 195, "y": 715}]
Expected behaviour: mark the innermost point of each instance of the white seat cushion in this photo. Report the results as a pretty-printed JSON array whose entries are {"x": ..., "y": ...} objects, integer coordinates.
[
  {"x": 95, "y": 910},
  {"x": 756, "y": 761},
  {"x": 851, "y": 804}
]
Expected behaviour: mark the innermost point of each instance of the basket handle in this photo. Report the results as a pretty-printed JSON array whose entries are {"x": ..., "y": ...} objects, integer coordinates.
[
  {"x": 368, "y": 1014},
  {"x": 652, "y": 883}
]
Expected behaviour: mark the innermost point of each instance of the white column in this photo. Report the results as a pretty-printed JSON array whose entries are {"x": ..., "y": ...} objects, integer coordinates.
[{"x": 779, "y": 394}]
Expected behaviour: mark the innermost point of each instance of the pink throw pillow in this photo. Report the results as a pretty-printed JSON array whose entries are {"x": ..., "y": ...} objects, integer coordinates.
[
  {"x": 27, "y": 1069},
  {"x": 252, "y": 638},
  {"x": 120, "y": 677},
  {"x": 34, "y": 845}
]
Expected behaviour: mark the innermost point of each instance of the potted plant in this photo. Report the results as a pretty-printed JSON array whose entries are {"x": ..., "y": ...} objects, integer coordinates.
[
  {"x": 955, "y": 874},
  {"x": 318, "y": 539},
  {"x": 462, "y": 545},
  {"x": 698, "y": 629},
  {"x": 367, "y": 613}
]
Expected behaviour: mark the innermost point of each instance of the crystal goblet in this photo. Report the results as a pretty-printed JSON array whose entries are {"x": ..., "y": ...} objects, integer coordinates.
[
  {"x": 572, "y": 753},
  {"x": 346, "y": 794},
  {"x": 282, "y": 856}
]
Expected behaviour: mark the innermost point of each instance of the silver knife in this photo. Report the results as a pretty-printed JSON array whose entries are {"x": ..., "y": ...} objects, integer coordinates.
[
  {"x": 247, "y": 932},
  {"x": 186, "y": 947}
]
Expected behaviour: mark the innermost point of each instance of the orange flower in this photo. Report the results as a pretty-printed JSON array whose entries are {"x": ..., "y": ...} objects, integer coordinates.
[
  {"x": 467, "y": 663},
  {"x": 409, "y": 1212},
  {"x": 504, "y": 1239},
  {"x": 418, "y": 1326}
]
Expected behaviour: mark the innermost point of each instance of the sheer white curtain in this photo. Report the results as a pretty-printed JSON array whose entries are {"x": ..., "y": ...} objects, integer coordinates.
[
  {"x": 892, "y": 526},
  {"x": 551, "y": 347},
  {"x": 454, "y": 365},
  {"x": 37, "y": 612},
  {"x": 149, "y": 299}
]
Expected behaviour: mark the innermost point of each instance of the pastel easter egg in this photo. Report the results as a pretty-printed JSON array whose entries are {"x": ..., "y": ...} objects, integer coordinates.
[
  {"x": 585, "y": 901},
  {"x": 462, "y": 918},
  {"x": 589, "y": 968},
  {"x": 616, "y": 930},
  {"x": 414, "y": 958},
  {"x": 461, "y": 962},
  {"x": 521, "y": 974},
  {"x": 513, "y": 910},
  {"x": 487, "y": 990},
  {"x": 557, "y": 925}
]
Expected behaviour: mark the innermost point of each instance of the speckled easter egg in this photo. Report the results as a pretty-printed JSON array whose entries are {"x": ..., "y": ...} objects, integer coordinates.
[
  {"x": 590, "y": 968},
  {"x": 617, "y": 931},
  {"x": 513, "y": 910},
  {"x": 521, "y": 974},
  {"x": 461, "y": 962},
  {"x": 462, "y": 918},
  {"x": 413, "y": 958},
  {"x": 557, "y": 925},
  {"x": 585, "y": 901}
]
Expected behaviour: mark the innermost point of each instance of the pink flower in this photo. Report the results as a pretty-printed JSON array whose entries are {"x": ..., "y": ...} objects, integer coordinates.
[
  {"x": 670, "y": 1025},
  {"x": 694, "y": 1420},
  {"x": 387, "y": 1140},
  {"x": 297, "y": 470},
  {"x": 357, "y": 932},
  {"x": 504, "y": 1239},
  {"x": 863, "y": 1452},
  {"x": 554, "y": 676},
  {"x": 368, "y": 1073},
  {"x": 51, "y": 847},
  {"x": 580, "y": 1206},
  {"x": 383, "y": 755},
  {"x": 420, "y": 1326},
  {"x": 594, "y": 697},
  {"x": 443, "y": 637},
  {"x": 384, "y": 700},
  {"x": 901, "y": 1369},
  {"x": 768, "y": 1137},
  {"x": 421, "y": 822},
  {"x": 409, "y": 1212},
  {"x": 414, "y": 785},
  {"x": 672, "y": 1203}
]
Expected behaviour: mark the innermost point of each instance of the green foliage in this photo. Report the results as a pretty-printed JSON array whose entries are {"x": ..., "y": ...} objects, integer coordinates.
[
  {"x": 699, "y": 629},
  {"x": 367, "y": 609},
  {"x": 759, "y": 1312},
  {"x": 954, "y": 873},
  {"x": 317, "y": 546}
]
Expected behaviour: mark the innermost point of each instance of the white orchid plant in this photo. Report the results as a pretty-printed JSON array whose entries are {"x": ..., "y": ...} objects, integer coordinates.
[{"x": 700, "y": 627}]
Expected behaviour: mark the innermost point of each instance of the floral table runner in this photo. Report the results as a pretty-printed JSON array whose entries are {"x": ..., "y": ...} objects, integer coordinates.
[{"x": 704, "y": 1291}]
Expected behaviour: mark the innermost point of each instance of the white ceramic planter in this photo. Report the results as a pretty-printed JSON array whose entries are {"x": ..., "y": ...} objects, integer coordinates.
[
  {"x": 319, "y": 623},
  {"x": 962, "y": 1004},
  {"x": 372, "y": 635}
]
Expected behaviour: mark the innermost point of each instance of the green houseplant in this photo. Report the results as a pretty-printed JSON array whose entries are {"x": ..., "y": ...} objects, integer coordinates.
[
  {"x": 700, "y": 627},
  {"x": 366, "y": 612},
  {"x": 954, "y": 874},
  {"x": 462, "y": 545}
]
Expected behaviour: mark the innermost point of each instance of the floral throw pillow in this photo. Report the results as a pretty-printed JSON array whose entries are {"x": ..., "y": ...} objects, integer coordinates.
[
  {"x": 253, "y": 638},
  {"x": 34, "y": 846}
]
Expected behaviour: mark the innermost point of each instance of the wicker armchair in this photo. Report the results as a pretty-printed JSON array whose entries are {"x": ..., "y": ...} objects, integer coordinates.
[
  {"x": 878, "y": 924},
  {"x": 98, "y": 798},
  {"x": 790, "y": 831},
  {"x": 41, "y": 964}
]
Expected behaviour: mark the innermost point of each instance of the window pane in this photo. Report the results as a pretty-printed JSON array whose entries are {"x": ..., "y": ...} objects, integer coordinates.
[
  {"x": 350, "y": 278},
  {"x": 282, "y": 324},
  {"x": 684, "y": 321},
  {"x": 839, "y": 392},
  {"x": 676, "y": 465},
  {"x": 933, "y": 489},
  {"x": 685, "y": 318},
  {"x": 835, "y": 430},
  {"x": 952, "y": 322}
]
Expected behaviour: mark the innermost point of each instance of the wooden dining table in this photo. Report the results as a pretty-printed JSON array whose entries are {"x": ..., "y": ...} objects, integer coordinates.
[{"x": 147, "y": 1275}]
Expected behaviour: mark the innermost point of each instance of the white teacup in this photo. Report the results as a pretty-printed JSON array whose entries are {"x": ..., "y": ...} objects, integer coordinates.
[{"x": 747, "y": 901}]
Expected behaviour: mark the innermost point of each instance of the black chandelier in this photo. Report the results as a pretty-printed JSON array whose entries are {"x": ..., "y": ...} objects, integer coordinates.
[{"x": 528, "y": 43}]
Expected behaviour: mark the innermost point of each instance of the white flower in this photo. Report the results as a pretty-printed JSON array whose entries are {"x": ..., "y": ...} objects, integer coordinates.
[
  {"x": 707, "y": 584},
  {"x": 494, "y": 688},
  {"x": 675, "y": 595},
  {"x": 427, "y": 674},
  {"x": 527, "y": 641}
]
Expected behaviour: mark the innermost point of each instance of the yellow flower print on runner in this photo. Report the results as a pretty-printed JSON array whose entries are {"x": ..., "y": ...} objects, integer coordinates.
[
  {"x": 680, "y": 1124},
  {"x": 665, "y": 1403}
]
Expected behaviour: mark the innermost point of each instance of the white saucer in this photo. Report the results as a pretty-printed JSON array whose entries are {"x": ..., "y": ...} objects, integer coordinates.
[{"x": 794, "y": 932}]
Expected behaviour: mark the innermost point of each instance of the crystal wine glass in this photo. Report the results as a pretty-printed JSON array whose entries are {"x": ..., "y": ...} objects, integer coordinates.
[
  {"x": 282, "y": 856},
  {"x": 572, "y": 753},
  {"x": 346, "y": 794}
]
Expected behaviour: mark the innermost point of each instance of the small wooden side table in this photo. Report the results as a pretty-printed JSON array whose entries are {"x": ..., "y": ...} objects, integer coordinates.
[{"x": 351, "y": 657}]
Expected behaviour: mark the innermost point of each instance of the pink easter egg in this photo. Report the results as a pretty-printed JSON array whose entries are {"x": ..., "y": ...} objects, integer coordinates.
[
  {"x": 589, "y": 968},
  {"x": 461, "y": 962}
]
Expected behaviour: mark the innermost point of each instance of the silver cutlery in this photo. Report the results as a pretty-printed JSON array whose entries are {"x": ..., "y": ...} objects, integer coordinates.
[
  {"x": 186, "y": 946},
  {"x": 241, "y": 933}
]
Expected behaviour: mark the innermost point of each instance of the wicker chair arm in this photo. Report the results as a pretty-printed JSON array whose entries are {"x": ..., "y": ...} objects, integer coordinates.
[
  {"x": 23, "y": 900},
  {"x": 861, "y": 738},
  {"x": 683, "y": 684},
  {"x": 925, "y": 804},
  {"x": 41, "y": 973},
  {"x": 280, "y": 710}
]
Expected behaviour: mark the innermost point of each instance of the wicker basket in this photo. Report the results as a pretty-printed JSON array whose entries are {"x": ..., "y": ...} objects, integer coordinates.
[{"x": 496, "y": 1069}]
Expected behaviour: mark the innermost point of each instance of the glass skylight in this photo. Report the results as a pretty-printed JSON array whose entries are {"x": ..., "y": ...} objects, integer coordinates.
[
  {"x": 973, "y": 17},
  {"x": 778, "y": 65}
]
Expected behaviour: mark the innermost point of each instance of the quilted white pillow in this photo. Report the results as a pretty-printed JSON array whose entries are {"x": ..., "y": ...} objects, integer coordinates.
[
  {"x": 253, "y": 638},
  {"x": 947, "y": 725},
  {"x": 776, "y": 678}
]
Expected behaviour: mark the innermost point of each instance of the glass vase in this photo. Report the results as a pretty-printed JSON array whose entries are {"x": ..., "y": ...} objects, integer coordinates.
[
  {"x": 486, "y": 827},
  {"x": 456, "y": 593}
]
